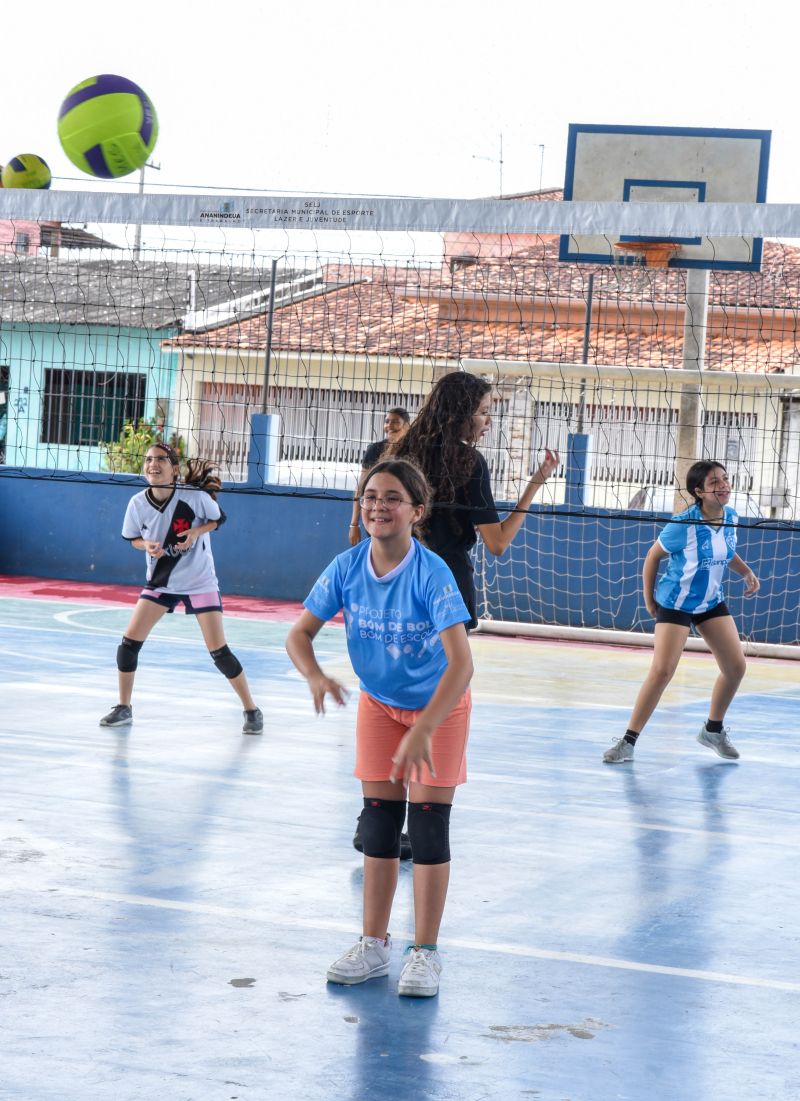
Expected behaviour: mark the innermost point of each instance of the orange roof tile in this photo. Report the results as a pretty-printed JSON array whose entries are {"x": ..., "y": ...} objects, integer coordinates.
[{"x": 530, "y": 306}]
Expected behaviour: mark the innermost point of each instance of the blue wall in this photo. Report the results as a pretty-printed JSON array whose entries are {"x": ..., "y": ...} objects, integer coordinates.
[
  {"x": 563, "y": 567},
  {"x": 271, "y": 546}
]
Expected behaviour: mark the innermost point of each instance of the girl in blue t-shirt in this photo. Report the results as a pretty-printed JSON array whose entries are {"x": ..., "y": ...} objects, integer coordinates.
[
  {"x": 700, "y": 544},
  {"x": 404, "y": 619}
]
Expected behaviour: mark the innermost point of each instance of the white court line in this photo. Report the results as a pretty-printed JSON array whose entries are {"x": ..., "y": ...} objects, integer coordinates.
[
  {"x": 66, "y": 618},
  {"x": 109, "y": 633},
  {"x": 656, "y": 827},
  {"x": 30, "y": 627},
  {"x": 594, "y": 821},
  {"x": 27, "y": 656},
  {"x": 519, "y": 950}
]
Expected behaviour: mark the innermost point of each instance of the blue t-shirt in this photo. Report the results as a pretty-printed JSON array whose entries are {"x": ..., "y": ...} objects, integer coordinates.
[
  {"x": 392, "y": 622},
  {"x": 699, "y": 555}
]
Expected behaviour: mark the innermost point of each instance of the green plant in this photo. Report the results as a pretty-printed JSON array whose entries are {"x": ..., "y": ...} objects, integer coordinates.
[{"x": 126, "y": 455}]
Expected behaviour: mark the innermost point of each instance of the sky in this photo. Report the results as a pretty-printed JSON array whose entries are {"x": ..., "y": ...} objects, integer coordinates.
[{"x": 398, "y": 99}]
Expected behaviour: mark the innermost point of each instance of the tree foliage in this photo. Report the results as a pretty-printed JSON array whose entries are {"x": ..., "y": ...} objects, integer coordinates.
[{"x": 126, "y": 455}]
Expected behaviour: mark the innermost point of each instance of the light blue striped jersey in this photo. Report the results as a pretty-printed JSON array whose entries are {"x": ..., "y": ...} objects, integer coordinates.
[{"x": 699, "y": 554}]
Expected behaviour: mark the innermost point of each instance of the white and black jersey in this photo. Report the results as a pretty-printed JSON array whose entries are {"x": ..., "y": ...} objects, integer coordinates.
[{"x": 177, "y": 571}]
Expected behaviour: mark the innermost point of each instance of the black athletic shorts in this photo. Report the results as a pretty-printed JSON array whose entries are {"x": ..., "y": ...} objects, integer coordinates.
[
  {"x": 193, "y": 603},
  {"x": 687, "y": 619}
]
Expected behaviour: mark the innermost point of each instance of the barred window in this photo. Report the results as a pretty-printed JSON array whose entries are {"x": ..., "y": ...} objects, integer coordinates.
[{"x": 87, "y": 408}]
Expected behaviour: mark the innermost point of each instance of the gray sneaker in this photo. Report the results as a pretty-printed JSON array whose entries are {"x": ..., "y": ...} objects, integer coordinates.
[
  {"x": 253, "y": 722},
  {"x": 367, "y": 959},
  {"x": 718, "y": 742},
  {"x": 119, "y": 715},
  {"x": 620, "y": 751}
]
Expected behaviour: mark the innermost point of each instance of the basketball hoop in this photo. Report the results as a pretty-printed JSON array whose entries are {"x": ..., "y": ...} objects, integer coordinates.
[{"x": 650, "y": 254}]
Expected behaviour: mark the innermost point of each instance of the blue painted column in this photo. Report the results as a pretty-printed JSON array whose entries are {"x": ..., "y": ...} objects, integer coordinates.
[
  {"x": 262, "y": 458},
  {"x": 578, "y": 468}
]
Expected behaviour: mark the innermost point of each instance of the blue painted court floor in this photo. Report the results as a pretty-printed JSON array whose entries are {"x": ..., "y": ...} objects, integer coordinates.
[{"x": 173, "y": 893}]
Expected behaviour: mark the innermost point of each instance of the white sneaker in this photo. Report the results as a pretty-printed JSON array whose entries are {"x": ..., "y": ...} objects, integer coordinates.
[
  {"x": 420, "y": 975},
  {"x": 620, "y": 751},
  {"x": 368, "y": 959},
  {"x": 718, "y": 742}
]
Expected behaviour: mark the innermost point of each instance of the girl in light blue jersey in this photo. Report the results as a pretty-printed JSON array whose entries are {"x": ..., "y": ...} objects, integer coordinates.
[
  {"x": 404, "y": 619},
  {"x": 700, "y": 544}
]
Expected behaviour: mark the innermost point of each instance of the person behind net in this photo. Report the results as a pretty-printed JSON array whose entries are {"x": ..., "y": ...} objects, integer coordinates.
[
  {"x": 395, "y": 426},
  {"x": 171, "y": 522},
  {"x": 700, "y": 544},
  {"x": 443, "y": 441},
  {"x": 404, "y": 620}
]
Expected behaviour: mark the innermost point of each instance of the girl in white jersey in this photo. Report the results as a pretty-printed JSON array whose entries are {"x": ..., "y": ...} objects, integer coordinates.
[
  {"x": 171, "y": 523},
  {"x": 404, "y": 618},
  {"x": 700, "y": 544}
]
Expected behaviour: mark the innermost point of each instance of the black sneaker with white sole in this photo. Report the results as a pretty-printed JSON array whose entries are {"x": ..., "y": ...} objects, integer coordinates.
[
  {"x": 253, "y": 722},
  {"x": 119, "y": 715}
]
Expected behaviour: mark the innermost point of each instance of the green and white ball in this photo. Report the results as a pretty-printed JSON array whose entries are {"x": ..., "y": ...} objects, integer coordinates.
[
  {"x": 107, "y": 126},
  {"x": 27, "y": 170}
]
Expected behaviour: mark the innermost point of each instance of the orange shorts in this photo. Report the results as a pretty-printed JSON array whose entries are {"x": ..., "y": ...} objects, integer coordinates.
[{"x": 379, "y": 729}]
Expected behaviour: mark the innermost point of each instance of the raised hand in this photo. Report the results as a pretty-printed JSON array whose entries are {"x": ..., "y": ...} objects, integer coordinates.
[{"x": 549, "y": 465}]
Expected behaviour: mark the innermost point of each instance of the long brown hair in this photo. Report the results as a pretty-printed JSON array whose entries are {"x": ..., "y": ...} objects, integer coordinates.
[
  {"x": 198, "y": 474},
  {"x": 435, "y": 441}
]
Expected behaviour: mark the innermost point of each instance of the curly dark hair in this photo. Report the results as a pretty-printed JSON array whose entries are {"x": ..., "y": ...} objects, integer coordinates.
[
  {"x": 198, "y": 474},
  {"x": 435, "y": 441}
]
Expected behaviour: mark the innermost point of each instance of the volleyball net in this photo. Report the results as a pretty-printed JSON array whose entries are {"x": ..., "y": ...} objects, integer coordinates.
[{"x": 129, "y": 318}]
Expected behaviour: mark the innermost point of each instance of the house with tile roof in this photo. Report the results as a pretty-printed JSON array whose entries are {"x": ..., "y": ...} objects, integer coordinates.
[
  {"x": 379, "y": 333},
  {"x": 82, "y": 346}
]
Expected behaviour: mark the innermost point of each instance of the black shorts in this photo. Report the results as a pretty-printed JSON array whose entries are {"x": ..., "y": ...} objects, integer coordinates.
[
  {"x": 687, "y": 619},
  {"x": 193, "y": 603},
  {"x": 464, "y": 576}
]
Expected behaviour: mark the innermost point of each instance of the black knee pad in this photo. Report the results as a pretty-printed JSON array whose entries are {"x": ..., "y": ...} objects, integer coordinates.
[
  {"x": 227, "y": 662},
  {"x": 429, "y": 832},
  {"x": 380, "y": 826},
  {"x": 128, "y": 654}
]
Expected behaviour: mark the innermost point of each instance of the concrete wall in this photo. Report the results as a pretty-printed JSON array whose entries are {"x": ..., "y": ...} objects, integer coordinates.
[{"x": 563, "y": 568}]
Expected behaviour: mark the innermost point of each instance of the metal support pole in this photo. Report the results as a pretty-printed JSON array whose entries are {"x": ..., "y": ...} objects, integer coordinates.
[
  {"x": 695, "y": 323},
  {"x": 137, "y": 241},
  {"x": 587, "y": 329},
  {"x": 270, "y": 322}
]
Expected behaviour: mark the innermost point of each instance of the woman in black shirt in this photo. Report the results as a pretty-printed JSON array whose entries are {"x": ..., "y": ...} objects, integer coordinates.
[{"x": 443, "y": 442}]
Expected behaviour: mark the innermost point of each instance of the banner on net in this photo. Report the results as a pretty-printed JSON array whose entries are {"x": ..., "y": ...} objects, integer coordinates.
[{"x": 359, "y": 213}]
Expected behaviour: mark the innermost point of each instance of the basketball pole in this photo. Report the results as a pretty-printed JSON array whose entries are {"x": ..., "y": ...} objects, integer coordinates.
[{"x": 695, "y": 325}]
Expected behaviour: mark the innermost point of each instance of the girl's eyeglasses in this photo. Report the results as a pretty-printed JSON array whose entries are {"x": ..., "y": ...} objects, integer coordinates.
[{"x": 391, "y": 501}]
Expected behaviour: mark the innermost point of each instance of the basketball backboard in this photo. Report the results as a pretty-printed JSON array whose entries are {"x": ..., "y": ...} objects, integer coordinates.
[{"x": 647, "y": 164}]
